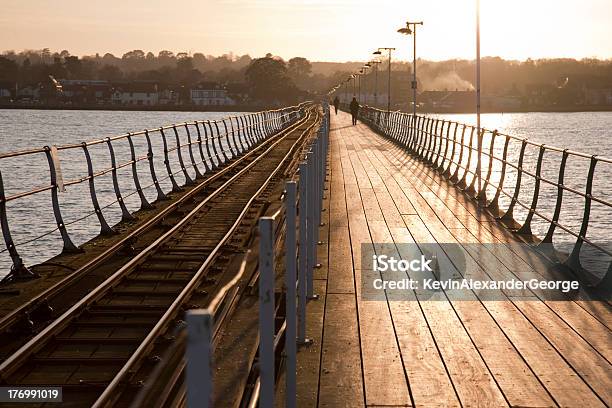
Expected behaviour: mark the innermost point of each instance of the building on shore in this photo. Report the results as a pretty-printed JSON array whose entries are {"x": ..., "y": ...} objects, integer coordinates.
[
  {"x": 86, "y": 91},
  {"x": 142, "y": 94},
  {"x": 210, "y": 94}
]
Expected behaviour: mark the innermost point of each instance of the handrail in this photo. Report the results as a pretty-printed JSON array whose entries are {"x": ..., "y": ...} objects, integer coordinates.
[
  {"x": 478, "y": 163},
  {"x": 216, "y": 143},
  {"x": 299, "y": 259}
]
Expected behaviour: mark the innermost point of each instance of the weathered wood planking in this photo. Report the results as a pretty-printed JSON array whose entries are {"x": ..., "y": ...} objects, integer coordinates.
[
  {"x": 600, "y": 374},
  {"x": 519, "y": 351}
]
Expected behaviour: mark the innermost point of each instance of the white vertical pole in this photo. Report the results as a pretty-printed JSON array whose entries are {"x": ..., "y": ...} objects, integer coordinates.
[
  {"x": 479, "y": 138},
  {"x": 414, "y": 83},
  {"x": 290, "y": 277},
  {"x": 303, "y": 252},
  {"x": 266, "y": 311},
  {"x": 311, "y": 221},
  {"x": 199, "y": 376}
]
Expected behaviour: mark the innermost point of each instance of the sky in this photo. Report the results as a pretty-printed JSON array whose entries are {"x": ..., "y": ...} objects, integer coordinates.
[{"x": 320, "y": 30}]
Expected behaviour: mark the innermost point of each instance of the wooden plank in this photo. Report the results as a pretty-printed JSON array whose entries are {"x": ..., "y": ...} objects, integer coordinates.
[
  {"x": 559, "y": 393},
  {"x": 341, "y": 372},
  {"x": 596, "y": 333},
  {"x": 384, "y": 378},
  {"x": 309, "y": 357},
  {"x": 589, "y": 364},
  {"x": 495, "y": 348}
]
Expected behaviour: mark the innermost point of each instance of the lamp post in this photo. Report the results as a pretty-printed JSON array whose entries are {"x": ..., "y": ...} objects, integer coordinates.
[
  {"x": 365, "y": 84},
  {"x": 364, "y": 73},
  {"x": 479, "y": 161},
  {"x": 375, "y": 64},
  {"x": 379, "y": 52},
  {"x": 346, "y": 86},
  {"x": 408, "y": 31},
  {"x": 359, "y": 74}
]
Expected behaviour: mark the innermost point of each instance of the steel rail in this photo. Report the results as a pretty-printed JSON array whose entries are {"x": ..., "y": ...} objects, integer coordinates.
[
  {"x": 137, "y": 355},
  {"x": 11, "y": 318},
  {"x": 225, "y": 297},
  {"x": 13, "y": 362},
  {"x": 279, "y": 119}
]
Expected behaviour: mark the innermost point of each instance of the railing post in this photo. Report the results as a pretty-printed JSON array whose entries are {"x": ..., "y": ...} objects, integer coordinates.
[
  {"x": 160, "y": 193},
  {"x": 144, "y": 204},
  {"x": 493, "y": 207},
  {"x": 462, "y": 184},
  {"x": 241, "y": 134},
  {"x": 451, "y": 159},
  {"x": 175, "y": 187},
  {"x": 206, "y": 167},
  {"x": 57, "y": 212},
  {"x": 439, "y": 155},
  {"x": 312, "y": 224},
  {"x": 105, "y": 229},
  {"x": 18, "y": 269},
  {"x": 225, "y": 158},
  {"x": 548, "y": 239},
  {"x": 199, "y": 358},
  {"x": 473, "y": 188},
  {"x": 125, "y": 214},
  {"x": 210, "y": 141},
  {"x": 482, "y": 195},
  {"x": 303, "y": 252},
  {"x": 188, "y": 180},
  {"x": 266, "y": 311},
  {"x": 526, "y": 227},
  {"x": 573, "y": 261},
  {"x": 246, "y": 134},
  {"x": 455, "y": 177},
  {"x": 290, "y": 281},
  {"x": 508, "y": 217},
  {"x": 227, "y": 139},
  {"x": 198, "y": 175}
]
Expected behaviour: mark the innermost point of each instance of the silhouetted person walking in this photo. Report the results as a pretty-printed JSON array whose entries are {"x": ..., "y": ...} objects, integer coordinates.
[
  {"x": 354, "y": 106},
  {"x": 336, "y": 104}
]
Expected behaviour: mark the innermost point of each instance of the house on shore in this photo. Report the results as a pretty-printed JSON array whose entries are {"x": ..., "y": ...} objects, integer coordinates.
[
  {"x": 87, "y": 91},
  {"x": 210, "y": 94},
  {"x": 135, "y": 93}
]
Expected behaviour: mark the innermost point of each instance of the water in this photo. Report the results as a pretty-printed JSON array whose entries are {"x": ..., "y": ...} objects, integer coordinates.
[
  {"x": 31, "y": 217},
  {"x": 586, "y": 132}
]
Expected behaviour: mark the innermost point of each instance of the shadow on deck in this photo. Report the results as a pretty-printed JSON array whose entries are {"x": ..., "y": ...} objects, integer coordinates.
[{"x": 521, "y": 350}]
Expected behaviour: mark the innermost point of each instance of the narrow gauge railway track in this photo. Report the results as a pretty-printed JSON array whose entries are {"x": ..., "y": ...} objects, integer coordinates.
[
  {"x": 24, "y": 322},
  {"x": 95, "y": 348}
]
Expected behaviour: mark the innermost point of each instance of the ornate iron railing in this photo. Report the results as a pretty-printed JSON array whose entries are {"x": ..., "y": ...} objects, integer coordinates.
[
  {"x": 493, "y": 169},
  {"x": 206, "y": 144}
]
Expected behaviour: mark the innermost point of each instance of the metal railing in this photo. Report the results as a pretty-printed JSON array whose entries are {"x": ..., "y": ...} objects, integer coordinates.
[
  {"x": 206, "y": 144},
  {"x": 300, "y": 217},
  {"x": 491, "y": 167}
]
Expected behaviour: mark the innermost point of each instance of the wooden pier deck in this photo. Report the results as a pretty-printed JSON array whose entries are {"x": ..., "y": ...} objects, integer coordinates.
[{"x": 522, "y": 351}]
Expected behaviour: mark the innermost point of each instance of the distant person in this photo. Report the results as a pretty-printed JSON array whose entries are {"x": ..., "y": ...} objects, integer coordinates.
[
  {"x": 336, "y": 104},
  {"x": 354, "y": 106}
]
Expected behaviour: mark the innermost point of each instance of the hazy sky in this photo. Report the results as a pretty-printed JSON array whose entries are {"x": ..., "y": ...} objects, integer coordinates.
[{"x": 327, "y": 30}]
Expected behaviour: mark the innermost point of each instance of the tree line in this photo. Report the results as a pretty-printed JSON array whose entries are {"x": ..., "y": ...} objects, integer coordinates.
[{"x": 272, "y": 78}]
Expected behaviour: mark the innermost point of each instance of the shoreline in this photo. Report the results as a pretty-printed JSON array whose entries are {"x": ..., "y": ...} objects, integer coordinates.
[
  {"x": 253, "y": 108},
  {"x": 141, "y": 108},
  {"x": 538, "y": 109}
]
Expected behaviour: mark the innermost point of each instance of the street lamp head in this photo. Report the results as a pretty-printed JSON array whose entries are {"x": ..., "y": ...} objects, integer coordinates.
[
  {"x": 405, "y": 30},
  {"x": 377, "y": 52}
]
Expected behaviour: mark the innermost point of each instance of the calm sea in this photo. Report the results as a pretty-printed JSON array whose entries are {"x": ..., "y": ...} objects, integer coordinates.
[{"x": 31, "y": 217}]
